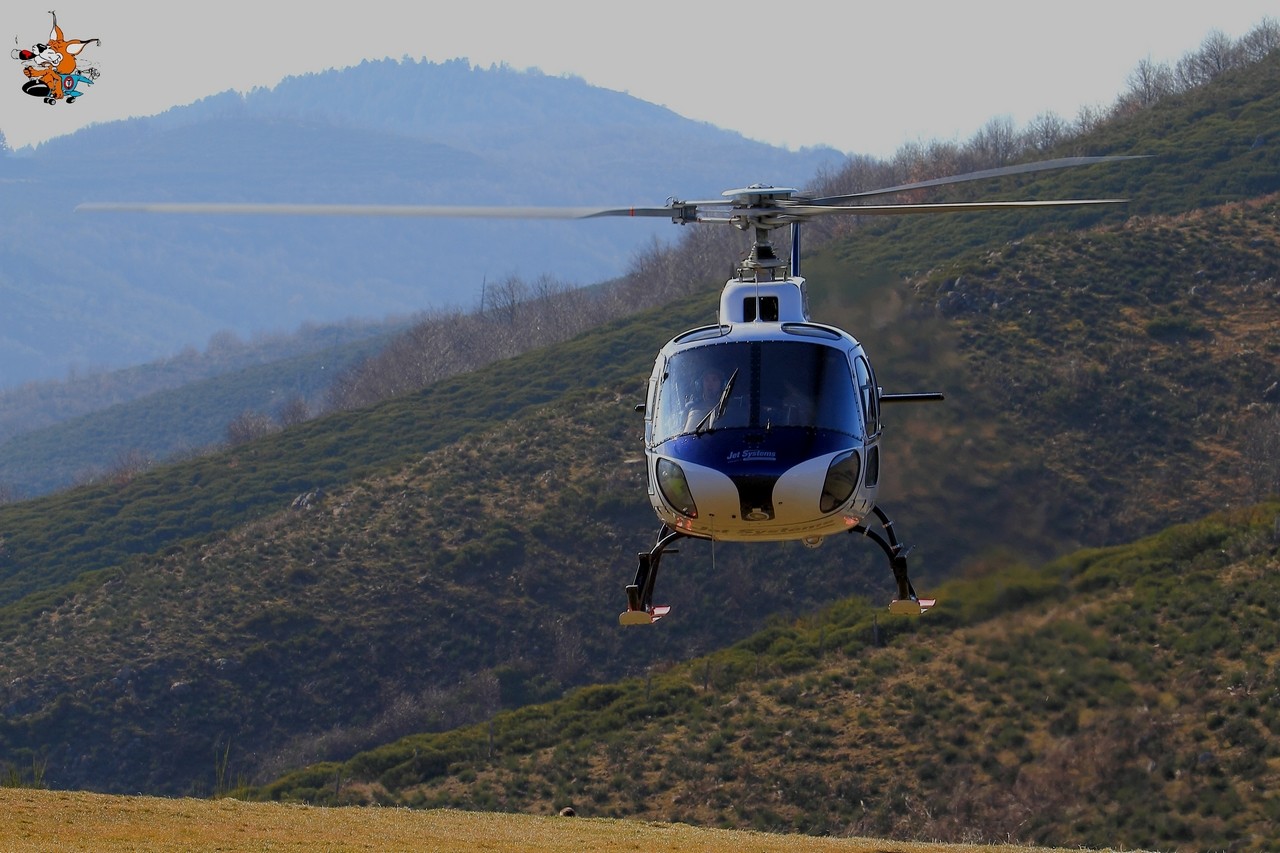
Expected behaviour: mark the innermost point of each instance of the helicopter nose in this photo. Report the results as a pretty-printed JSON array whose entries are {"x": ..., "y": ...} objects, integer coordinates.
[{"x": 755, "y": 494}]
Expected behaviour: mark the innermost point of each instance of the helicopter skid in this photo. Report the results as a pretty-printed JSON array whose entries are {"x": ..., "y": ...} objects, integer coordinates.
[
  {"x": 911, "y": 606},
  {"x": 643, "y": 617}
]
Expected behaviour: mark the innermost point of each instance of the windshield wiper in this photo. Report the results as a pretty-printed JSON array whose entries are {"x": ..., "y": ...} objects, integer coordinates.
[{"x": 718, "y": 410}]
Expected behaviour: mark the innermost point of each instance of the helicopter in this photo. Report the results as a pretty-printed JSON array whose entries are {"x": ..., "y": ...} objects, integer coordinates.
[{"x": 764, "y": 426}]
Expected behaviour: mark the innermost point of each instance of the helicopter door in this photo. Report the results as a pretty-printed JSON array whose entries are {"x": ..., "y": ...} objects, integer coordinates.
[
  {"x": 651, "y": 401},
  {"x": 867, "y": 395}
]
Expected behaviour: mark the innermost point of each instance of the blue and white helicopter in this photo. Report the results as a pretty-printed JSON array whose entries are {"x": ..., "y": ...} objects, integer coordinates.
[{"x": 764, "y": 426}]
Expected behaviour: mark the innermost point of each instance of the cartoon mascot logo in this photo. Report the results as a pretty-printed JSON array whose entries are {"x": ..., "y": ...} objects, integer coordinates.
[{"x": 52, "y": 67}]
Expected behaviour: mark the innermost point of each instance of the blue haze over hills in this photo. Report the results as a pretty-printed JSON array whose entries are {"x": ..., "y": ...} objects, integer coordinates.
[{"x": 83, "y": 291}]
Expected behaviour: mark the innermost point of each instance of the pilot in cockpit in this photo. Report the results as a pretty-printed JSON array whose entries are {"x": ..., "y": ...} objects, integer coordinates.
[{"x": 706, "y": 396}]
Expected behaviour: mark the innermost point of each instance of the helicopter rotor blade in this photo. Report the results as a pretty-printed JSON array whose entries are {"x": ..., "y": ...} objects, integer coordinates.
[
  {"x": 806, "y": 211},
  {"x": 443, "y": 211},
  {"x": 1002, "y": 171}
]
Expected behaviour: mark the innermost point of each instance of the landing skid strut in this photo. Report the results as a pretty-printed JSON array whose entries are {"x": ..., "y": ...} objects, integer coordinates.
[
  {"x": 640, "y": 607},
  {"x": 907, "y": 603}
]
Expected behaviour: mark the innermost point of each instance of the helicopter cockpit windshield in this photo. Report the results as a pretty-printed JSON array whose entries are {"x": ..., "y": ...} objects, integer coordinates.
[{"x": 758, "y": 385}]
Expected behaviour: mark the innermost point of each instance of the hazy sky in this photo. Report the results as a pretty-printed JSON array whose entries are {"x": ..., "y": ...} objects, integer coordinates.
[{"x": 862, "y": 77}]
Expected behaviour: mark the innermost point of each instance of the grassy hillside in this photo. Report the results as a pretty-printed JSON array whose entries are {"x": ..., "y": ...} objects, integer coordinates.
[
  {"x": 53, "y": 540},
  {"x": 1101, "y": 383},
  {"x": 1119, "y": 696},
  {"x": 412, "y": 600},
  {"x": 1175, "y": 364}
]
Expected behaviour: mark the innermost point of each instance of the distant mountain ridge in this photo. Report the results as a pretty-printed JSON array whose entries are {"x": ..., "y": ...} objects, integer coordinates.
[
  {"x": 93, "y": 291},
  {"x": 496, "y": 109}
]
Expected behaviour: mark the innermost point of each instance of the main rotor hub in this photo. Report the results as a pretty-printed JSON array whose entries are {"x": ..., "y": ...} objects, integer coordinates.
[
  {"x": 755, "y": 194},
  {"x": 760, "y": 208}
]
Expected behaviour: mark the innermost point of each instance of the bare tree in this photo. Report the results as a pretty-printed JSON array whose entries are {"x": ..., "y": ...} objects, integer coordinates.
[
  {"x": 129, "y": 464},
  {"x": 294, "y": 411},
  {"x": 995, "y": 144},
  {"x": 1216, "y": 55},
  {"x": 859, "y": 173},
  {"x": 1045, "y": 131},
  {"x": 248, "y": 426},
  {"x": 501, "y": 300},
  {"x": 911, "y": 163},
  {"x": 1260, "y": 41},
  {"x": 917, "y": 161},
  {"x": 1148, "y": 83},
  {"x": 1089, "y": 118}
]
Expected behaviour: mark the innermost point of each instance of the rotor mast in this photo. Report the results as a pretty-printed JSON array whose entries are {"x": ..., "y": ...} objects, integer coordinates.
[{"x": 760, "y": 209}]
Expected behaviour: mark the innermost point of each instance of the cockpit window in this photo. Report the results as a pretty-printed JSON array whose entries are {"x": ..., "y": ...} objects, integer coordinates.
[
  {"x": 869, "y": 394},
  {"x": 757, "y": 385}
]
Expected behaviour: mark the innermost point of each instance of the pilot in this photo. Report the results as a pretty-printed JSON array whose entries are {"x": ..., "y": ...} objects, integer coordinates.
[{"x": 705, "y": 397}]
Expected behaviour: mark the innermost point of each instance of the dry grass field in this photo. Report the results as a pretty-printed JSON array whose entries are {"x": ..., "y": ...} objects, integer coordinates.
[{"x": 33, "y": 820}]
